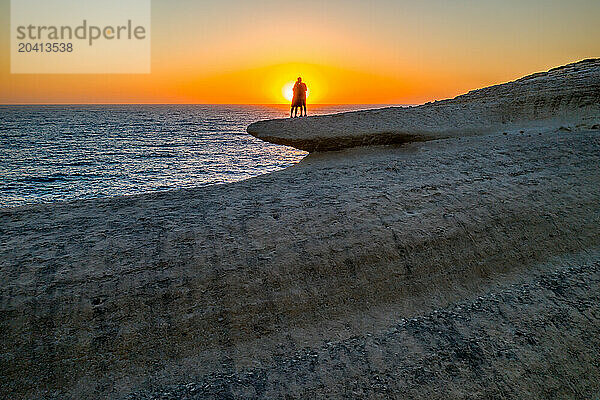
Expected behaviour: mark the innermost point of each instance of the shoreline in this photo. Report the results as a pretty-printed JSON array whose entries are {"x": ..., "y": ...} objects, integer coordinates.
[
  {"x": 126, "y": 196},
  {"x": 109, "y": 297}
]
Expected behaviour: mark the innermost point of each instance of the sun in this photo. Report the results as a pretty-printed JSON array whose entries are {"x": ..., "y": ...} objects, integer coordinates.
[{"x": 288, "y": 91}]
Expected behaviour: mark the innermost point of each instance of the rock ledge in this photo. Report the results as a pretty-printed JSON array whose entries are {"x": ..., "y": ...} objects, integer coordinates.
[{"x": 566, "y": 96}]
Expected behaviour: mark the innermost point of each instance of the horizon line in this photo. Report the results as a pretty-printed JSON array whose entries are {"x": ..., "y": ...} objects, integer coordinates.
[{"x": 203, "y": 104}]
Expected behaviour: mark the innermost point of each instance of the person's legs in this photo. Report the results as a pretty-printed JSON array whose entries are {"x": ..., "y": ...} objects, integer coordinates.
[
  {"x": 304, "y": 107},
  {"x": 291, "y": 111}
]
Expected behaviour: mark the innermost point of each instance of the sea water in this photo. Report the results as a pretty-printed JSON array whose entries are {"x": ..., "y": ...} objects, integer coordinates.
[{"x": 66, "y": 152}]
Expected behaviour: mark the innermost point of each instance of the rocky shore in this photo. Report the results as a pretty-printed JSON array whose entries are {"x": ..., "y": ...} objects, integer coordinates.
[
  {"x": 465, "y": 267},
  {"x": 564, "y": 96}
]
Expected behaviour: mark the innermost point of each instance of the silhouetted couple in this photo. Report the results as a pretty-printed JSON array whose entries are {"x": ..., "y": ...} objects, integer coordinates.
[{"x": 299, "y": 99}]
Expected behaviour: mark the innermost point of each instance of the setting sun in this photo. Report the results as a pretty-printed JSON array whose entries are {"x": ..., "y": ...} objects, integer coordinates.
[
  {"x": 288, "y": 91},
  {"x": 381, "y": 52}
]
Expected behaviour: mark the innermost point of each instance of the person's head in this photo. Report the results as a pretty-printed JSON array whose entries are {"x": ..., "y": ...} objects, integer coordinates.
[{"x": 299, "y": 79}]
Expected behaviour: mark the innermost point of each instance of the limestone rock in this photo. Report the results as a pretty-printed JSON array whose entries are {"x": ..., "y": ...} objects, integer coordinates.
[
  {"x": 102, "y": 297},
  {"x": 564, "y": 96}
]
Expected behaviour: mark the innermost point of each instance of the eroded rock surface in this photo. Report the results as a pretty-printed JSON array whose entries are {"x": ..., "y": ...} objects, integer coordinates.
[
  {"x": 495, "y": 347},
  {"x": 567, "y": 97},
  {"x": 296, "y": 283}
]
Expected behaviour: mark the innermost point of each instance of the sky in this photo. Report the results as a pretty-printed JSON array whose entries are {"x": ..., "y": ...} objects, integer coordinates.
[{"x": 347, "y": 51}]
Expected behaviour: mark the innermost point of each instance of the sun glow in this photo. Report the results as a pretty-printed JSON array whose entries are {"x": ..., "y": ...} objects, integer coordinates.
[{"x": 288, "y": 91}]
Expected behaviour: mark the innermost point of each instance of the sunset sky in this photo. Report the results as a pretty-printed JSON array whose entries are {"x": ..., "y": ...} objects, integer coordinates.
[{"x": 378, "y": 52}]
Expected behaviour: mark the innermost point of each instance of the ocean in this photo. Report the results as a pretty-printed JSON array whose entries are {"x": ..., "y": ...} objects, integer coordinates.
[{"x": 66, "y": 152}]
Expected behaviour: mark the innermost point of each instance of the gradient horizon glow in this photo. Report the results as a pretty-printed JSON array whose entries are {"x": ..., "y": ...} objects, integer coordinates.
[{"x": 366, "y": 52}]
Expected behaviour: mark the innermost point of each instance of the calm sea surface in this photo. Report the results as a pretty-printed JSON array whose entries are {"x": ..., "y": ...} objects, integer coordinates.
[{"x": 56, "y": 153}]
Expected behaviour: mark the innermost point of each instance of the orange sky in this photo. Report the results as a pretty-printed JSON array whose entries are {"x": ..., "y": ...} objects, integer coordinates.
[{"x": 379, "y": 52}]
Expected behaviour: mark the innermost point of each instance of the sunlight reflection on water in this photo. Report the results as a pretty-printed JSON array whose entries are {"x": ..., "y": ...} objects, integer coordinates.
[{"x": 54, "y": 153}]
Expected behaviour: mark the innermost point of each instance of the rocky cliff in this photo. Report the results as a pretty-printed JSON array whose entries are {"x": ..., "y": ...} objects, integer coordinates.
[{"x": 567, "y": 96}]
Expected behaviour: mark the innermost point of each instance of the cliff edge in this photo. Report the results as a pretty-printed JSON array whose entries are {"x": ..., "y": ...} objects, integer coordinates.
[{"x": 567, "y": 96}]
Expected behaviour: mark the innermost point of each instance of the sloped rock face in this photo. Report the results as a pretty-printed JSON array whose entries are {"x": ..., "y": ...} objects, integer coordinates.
[
  {"x": 567, "y": 96},
  {"x": 496, "y": 347},
  {"x": 221, "y": 285}
]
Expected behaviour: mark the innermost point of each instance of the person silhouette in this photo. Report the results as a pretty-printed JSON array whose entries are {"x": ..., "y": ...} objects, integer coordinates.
[{"x": 299, "y": 98}]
